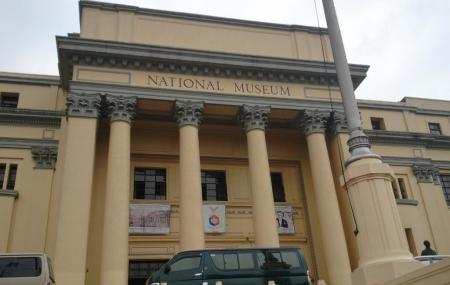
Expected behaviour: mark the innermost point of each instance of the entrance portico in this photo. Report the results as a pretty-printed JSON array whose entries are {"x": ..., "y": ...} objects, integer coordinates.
[{"x": 198, "y": 112}]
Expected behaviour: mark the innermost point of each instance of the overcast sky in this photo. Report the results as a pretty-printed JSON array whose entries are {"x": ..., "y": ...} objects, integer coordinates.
[{"x": 406, "y": 42}]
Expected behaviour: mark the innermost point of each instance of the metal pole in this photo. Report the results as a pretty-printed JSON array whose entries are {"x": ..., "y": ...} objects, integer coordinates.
[{"x": 358, "y": 143}]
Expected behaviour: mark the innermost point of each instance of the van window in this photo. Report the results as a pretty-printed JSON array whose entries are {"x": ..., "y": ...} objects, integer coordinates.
[
  {"x": 290, "y": 258},
  {"x": 233, "y": 261},
  {"x": 187, "y": 263},
  {"x": 278, "y": 260},
  {"x": 20, "y": 267}
]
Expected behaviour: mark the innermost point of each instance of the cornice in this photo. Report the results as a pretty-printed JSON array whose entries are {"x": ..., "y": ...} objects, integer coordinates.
[
  {"x": 410, "y": 161},
  {"x": 13, "y": 78},
  {"x": 30, "y": 117},
  {"x": 400, "y": 108},
  {"x": 198, "y": 17},
  {"x": 26, "y": 143},
  {"x": 409, "y": 138},
  {"x": 76, "y": 51}
]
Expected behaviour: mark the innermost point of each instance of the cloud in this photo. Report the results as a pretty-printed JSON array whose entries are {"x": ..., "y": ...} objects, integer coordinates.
[{"x": 405, "y": 41}]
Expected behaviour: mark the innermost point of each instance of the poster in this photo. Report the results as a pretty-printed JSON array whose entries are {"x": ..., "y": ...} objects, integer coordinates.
[
  {"x": 285, "y": 219},
  {"x": 214, "y": 218},
  {"x": 149, "y": 219}
]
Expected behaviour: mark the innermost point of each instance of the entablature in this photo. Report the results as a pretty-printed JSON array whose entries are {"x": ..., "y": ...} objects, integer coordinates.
[{"x": 87, "y": 52}]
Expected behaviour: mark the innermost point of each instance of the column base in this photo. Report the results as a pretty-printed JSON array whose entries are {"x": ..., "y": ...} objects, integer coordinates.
[{"x": 380, "y": 273}]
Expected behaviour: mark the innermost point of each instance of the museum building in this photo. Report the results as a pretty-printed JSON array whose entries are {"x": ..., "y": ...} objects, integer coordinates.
[{"x": 170, "y": 131}]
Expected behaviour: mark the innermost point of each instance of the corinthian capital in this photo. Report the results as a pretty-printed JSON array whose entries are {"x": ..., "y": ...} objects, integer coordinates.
[
  {"x": 337, "y": 123},
  {"x": 188, "y": 113},
  {"x": 314, "y": 121},
  {"x": 254, "y": 117},
  {"x": 83, "y": 105},
  {"x": 121, "y": 108},
  {"x": 44, "y": 157},
  {"x": 424, "y": 173}
]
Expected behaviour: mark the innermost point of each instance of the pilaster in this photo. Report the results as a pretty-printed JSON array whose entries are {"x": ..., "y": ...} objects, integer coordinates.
[{"x": 436, "y": 209}]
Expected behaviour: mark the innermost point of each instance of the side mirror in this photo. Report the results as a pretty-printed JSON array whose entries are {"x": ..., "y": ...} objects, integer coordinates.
[{"x": 167, "y": 269}]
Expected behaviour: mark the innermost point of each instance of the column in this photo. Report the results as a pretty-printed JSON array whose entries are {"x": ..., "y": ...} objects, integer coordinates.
[
  {"x": 188, "y": 116},
  {"x": 76, "y": 189},
  {"x": 382, "y": 245},
  {"x": 114, "y": 264},
  {"x": 330, "y": 222},
  {"x": 338, "y": 134},
  {"x": 254, "y": 120},
  {"x": 435, "y": 206}
]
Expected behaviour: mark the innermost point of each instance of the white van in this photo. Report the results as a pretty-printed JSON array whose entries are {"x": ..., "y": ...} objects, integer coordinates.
[{"x": 26, "y": 269}]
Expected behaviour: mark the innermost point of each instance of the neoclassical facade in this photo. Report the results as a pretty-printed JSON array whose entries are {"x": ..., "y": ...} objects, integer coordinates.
[{"x": 169, "y": 113}]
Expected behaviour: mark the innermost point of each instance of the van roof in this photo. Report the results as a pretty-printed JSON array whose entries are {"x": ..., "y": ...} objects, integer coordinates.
[
  {"x": 22, "y": 254},
  {"x": 239, "y": 249}
]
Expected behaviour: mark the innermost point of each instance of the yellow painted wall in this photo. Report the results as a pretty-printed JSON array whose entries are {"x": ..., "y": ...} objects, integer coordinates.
[{"x": 136, "y": 27}]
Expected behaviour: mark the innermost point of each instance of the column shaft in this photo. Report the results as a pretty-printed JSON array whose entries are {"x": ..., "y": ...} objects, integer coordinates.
[
  {"x": 333, "y": 237},
  {"x": 114, "y": 267},
  {"x": 191, "y": 216},
  {"x": 75, "y": 203},
  {"x": 264, "y": 220}
]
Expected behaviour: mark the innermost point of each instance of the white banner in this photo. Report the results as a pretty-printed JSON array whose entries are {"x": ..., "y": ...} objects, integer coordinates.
[
  {"x": 214, "y": 218},
  {"x": 285, "y": 220},
  {"x": 149, "y": 219}
]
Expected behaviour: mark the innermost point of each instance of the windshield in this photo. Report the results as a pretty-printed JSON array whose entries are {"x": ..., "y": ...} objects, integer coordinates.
[{"x": 20, "y": 267}]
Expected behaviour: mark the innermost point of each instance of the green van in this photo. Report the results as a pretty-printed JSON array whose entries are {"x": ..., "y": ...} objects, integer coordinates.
[{"x": 255, "y": 266}]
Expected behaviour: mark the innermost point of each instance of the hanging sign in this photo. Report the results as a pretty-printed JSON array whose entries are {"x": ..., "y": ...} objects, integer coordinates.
[
  {"x": 284, "y": 218},
  {"x": 149, "y": 219},
  {"x": 214, "y": 218}
]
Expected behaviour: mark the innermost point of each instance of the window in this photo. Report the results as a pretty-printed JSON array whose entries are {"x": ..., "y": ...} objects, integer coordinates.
[
  {"x": 445, "y": 181},
  {"x": 20, "y": 267},
  {"x": 187, "y": 263},
  {"x": 411, "y": 243},
  {"x": 140, "y": 270},
  {"x": 150, "y": 183},
  {"x": 400, "y": 193},
  {"x": 8, "y": 175},
  {"x": 233, "y": 261},
  {"x": 401, "y": 183},
  {"x": 214, "y": 186},
  {"x": 277, "y": 187},
  {"x": 435, "y": 128},
  {"x": 377, "y": 123},
  {"x": 2, "y": 174},
  {"x": 278, "y": 260},
  {"x": 11, "y": 177},
  {"x": 9, "y": 100}
]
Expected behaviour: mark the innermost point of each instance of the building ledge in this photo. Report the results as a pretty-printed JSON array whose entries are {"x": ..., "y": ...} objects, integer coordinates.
[
  {"x": 9, "y": 193},
  {"x": 407, "y": 202}
]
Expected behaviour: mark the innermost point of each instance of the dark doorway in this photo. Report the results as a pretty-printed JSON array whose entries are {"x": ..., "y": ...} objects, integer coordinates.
[{"x": 140, "y": 270}]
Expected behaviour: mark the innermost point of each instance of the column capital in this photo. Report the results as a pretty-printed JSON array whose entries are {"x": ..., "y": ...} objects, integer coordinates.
[
  {"x": 121, "y": 108},
  {"x": 188, "y": 113},
  {"x": 44, "y": 156},
  {"x": 83, "y": 105},
  {"x": 337, "y": 124},
  {"x": 254, "y": 117},
  {"x": 313, "y": 121},
  {"x": 426, "y": 173}
]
